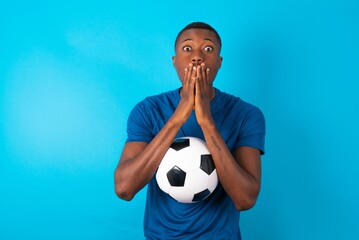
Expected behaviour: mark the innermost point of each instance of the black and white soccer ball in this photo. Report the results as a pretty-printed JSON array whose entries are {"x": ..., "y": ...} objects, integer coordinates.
[{"x": 187, "y": 171}]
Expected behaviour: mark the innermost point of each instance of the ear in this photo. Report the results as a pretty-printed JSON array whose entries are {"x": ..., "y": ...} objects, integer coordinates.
[
  {"x": 174, "y": 60},
  {"x": 220, "y": 61}
]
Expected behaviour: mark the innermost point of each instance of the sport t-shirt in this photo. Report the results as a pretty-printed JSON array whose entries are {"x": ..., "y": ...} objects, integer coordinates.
[{"x": 240, "y": 124}]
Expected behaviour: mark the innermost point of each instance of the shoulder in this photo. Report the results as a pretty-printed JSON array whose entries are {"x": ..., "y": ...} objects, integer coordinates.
[
  {"x": 156, "y": 105},
  {"x": 235, "y": 103},
  {"x": 160, "y": 99},
  {"x": 149, "y": 115}
]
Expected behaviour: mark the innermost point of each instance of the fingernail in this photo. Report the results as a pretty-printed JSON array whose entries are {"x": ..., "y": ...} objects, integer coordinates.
[
  {"x": 194, "y": 68},
  {"x": 202, "y": 64}
]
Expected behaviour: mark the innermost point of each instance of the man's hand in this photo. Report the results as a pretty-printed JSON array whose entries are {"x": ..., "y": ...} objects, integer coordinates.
[
  {"x": 187, "y": 102},
  {"x": 204, "y": 95},
  {"x": 196, "y": 94}
]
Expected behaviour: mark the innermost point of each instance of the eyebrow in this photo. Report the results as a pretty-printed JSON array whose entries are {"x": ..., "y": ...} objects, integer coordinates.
[
  {"x": 208, "y": 39},
  {"x": 190, "y": 39}
]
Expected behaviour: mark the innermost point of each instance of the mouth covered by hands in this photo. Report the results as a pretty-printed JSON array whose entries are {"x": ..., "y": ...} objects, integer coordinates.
[
  {"x": 197, "y": 73},
  {"x": 197, "y": 91}
]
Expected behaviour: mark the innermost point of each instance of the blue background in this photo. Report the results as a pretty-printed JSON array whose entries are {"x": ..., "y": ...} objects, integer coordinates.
[{"x": 70, "y": 72}]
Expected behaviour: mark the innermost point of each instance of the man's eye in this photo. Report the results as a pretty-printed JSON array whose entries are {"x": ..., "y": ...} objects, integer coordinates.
[
  {"x": 208, "y": 49},
  {"x": 187, "y": 48}
]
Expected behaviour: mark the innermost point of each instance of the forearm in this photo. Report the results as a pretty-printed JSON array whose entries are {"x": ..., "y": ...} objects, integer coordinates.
[
  {"x": 133, "y": 173},
  {"x": 240, "y": 185}
]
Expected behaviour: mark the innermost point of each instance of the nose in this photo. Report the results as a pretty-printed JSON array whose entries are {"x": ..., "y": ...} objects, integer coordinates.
[{"x": 196, "y": 60}]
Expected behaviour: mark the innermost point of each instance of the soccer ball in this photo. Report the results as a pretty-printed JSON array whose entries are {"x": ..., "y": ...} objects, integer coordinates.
[{"x": 187, "y": 172}]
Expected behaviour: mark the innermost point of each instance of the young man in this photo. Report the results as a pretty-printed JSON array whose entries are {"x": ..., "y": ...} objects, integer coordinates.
[{"x": 233, "y": 130}]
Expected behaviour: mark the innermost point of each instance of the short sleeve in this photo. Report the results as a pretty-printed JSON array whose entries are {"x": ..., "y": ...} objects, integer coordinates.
[
  {"x": 253, "y": 130},
  {"x": 138, "y": 125}
]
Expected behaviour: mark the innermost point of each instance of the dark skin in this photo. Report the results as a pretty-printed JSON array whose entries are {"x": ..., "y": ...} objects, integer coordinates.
[{"x": 197, "y": 62}]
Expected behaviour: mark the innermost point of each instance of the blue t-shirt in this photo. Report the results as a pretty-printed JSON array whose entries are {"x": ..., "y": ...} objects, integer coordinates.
[{"x": 240, "y": 124}]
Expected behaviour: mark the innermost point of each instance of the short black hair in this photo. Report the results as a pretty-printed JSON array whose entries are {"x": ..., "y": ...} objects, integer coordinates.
[{"x": 199, "y": 25}]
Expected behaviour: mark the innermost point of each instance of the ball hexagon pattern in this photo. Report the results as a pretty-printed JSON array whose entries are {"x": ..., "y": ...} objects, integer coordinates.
[{"x": 187, "y": 171}]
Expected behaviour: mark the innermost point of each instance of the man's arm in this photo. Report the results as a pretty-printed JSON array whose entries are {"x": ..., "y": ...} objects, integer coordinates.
[
  {"x": 139, "y": 161},
  {"x": 240, "y": 173}
]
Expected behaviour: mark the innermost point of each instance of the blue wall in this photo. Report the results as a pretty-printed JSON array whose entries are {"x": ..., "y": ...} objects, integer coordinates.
[{"x": 71, "y": 72}]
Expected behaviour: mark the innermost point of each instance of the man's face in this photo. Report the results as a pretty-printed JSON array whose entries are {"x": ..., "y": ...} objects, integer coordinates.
[{"x": 197, "y": 46}]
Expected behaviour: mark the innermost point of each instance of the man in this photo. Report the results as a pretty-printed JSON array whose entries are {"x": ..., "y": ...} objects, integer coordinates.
[{"x": 233, "y": 130}]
